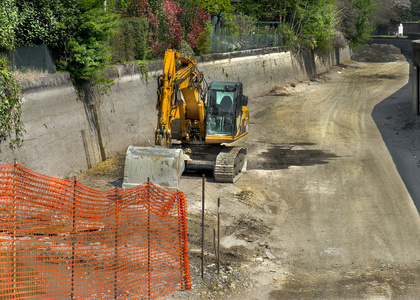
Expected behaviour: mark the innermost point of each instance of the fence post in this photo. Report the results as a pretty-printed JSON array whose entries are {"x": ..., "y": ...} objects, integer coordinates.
[
  {"x": 202, "y": 227},
  {"x": 148, "y": 239},
  {"x": 14, "y": 276},
  {"x": 73, "y": 243},
  {"x": 185, "y": 271},
  {"x": 116, "y": 243}
]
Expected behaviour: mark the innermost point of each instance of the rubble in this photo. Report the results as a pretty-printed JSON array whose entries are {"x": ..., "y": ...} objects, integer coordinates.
[{"x": 377, "y": 53}]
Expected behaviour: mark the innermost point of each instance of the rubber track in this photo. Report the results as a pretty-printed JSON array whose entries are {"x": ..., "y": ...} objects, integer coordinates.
[{"x": 230, "y": 164}]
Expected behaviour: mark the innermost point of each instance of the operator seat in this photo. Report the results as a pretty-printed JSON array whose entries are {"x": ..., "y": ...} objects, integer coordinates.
[{"x": 226, "y": 104}]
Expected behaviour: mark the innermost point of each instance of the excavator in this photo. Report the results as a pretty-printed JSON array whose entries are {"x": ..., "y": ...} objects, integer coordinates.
[{"x": 195, "y": 124}]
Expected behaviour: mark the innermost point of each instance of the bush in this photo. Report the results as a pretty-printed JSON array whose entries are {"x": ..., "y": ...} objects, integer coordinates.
[
  {"x": 131, "y": 41},
  {"x": 170, "y": 22},
  {"x": 8, "y": 24},
  {"x": 10, "y": 106}
]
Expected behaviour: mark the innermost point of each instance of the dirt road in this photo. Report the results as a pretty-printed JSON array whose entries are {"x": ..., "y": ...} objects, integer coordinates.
[{"x": 322, "y": 212}]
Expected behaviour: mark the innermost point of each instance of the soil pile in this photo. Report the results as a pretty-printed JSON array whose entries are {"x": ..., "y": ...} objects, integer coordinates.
[{"x": 377, "y": 53}]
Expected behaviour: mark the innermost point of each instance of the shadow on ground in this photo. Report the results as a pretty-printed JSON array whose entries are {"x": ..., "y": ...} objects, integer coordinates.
[{"x": 400, "y": 130}]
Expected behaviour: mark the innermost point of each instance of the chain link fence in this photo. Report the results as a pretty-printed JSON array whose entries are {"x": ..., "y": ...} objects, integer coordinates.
[{"x": 265, "y": 35}]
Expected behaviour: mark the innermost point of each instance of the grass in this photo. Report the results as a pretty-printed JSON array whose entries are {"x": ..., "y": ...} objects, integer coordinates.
[{"x": 29, "y": 74}]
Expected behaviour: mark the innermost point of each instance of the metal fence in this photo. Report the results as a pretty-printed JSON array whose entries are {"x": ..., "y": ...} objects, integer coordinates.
[
  {"x": 265, "y": 35},
  {"x": 62, "y": 240},
  {"x": 31, "y": 58}
]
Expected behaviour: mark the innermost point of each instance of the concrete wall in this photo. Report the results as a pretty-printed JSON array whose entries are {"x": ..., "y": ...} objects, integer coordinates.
[
  {"x": 415, "y": 73},
  {"x": 403, "y": 43},
  {"x": 66, "y": 136}
]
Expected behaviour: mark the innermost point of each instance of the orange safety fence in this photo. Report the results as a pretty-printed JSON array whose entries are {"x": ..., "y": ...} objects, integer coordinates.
[{"x": 60, "y": 239}]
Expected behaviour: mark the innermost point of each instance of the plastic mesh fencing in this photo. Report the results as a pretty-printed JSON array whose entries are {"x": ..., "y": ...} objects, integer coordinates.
[{"x": 62, "y": 240}]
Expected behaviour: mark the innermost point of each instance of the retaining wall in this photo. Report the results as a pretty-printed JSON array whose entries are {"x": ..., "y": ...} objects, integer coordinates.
[
  {"x": 403, "y": 43},
  {"x": 66, "y": 136}
]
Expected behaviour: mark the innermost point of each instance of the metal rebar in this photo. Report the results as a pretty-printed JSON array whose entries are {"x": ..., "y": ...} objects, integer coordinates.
[
  {"x": 214, "y": 243},
  {"x": 202, "y": 228},
  {"x": 218, "y": 235}
]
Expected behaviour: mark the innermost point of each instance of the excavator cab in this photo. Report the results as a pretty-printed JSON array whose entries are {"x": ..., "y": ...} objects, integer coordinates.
[{"x": 227, "y": 114}]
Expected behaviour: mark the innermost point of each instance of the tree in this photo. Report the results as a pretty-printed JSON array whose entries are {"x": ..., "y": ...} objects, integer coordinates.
[
  {"x": 171, "y": 22},
  {"x": 306, "y": 24},
  {"x": 415, "y": 10},
  {"x": 131, "y": 41},
  {"x": 216, "y": 6},
  {"x": 50, "y": 22},
  {"x": 8, "y": 24},
  {"x": 391, "y": 11},
  {"x": 88, "y": 55},
  {"x": 356, "y": 20}
]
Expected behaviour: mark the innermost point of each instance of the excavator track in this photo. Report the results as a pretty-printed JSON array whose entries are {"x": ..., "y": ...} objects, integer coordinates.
[{"x": 230, "y": 164}]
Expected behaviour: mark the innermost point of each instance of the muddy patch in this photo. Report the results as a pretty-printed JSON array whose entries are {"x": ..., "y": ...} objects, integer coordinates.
[{"x": 283, "y": 156}]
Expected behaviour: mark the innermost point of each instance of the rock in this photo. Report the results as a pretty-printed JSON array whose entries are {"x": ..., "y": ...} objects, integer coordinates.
[
  {"x": 269, "y": 254},
  {"x": 259, "y": 259}
]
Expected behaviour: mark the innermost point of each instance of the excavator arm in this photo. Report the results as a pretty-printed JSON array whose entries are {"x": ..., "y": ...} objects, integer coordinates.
[{"x": 181, "y": 107}]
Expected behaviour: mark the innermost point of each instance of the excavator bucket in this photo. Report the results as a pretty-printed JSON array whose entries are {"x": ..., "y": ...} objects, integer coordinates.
[{"x": 163, "y": 166}]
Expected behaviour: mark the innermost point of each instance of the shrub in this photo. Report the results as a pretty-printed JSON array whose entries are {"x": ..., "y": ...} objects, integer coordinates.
[
  {"x": 10, "y": 106},
  {"x": 170, "y": 22},
  {"x": 131, "y": 41}
]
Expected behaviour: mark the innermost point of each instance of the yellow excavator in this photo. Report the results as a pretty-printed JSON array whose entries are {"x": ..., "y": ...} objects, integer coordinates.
[{"x": 195, "y": 122}]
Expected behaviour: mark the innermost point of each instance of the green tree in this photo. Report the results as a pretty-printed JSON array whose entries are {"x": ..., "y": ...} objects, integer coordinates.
[
  {"x": 264, "y": 10},
  {"x": 131, "y": 41},
  {"x": 87, "y": 53},
  {"x": 356, "y": 20},
  {"x": 216, "y": 6},
  {"x": 415, "y": 10},
  {"x": 50, "y": 22},
  {"x": 8, "y": 24},
  {"x": 306, "y": 24}
]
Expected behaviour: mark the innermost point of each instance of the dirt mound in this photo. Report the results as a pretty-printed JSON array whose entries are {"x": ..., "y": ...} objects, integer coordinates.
[{"x": 377, "y": 53}]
